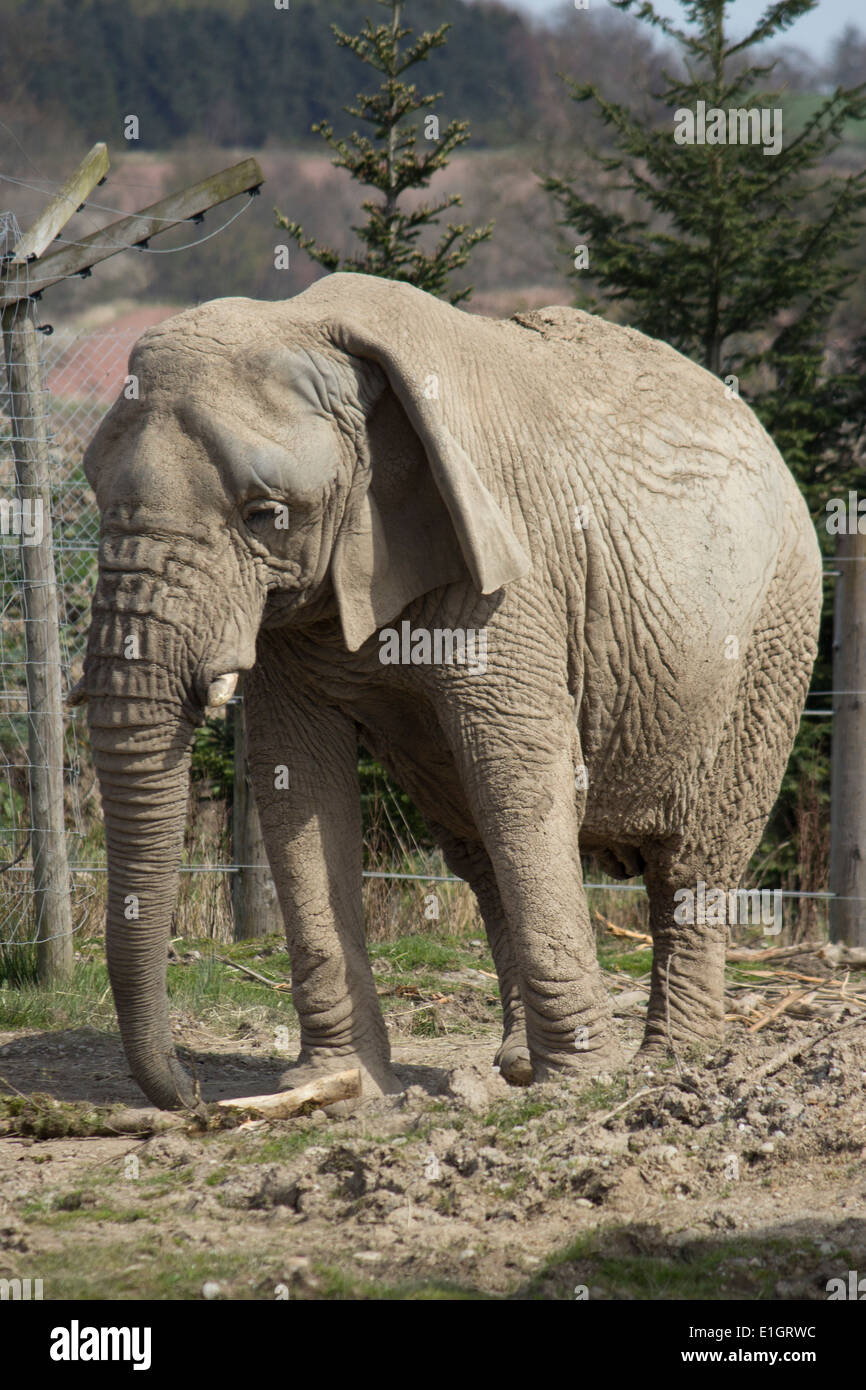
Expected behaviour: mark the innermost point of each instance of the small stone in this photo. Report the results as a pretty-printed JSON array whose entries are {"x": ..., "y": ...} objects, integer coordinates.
[
  {"x": 467, "y": 1086},
  {"x": 767, "y": 1148},
  {"x": 368, "y": 1257},
  {"x": 210, "y": 1290},
  {"x": 468, "y": 1254}
]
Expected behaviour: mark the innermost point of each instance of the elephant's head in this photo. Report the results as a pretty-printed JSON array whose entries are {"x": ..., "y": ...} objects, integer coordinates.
[{"x": 286, "y": 463}]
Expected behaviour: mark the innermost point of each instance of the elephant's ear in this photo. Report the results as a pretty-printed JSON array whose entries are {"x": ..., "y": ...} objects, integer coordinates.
[{"x": 425, "y": 518}]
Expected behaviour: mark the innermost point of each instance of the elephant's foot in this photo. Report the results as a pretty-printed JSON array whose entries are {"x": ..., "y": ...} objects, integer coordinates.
[
  {"x": 377, "y": 1078},
  {"x": 603, "y": 1060},
  {"x": 686, "y": 1009},
  {"x": 513, "y": 1060},
  {"x": 659, "y": 1045}
]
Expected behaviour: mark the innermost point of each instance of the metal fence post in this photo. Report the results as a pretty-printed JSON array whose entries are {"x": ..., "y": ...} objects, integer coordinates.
[{"x": 39, "y": 594}]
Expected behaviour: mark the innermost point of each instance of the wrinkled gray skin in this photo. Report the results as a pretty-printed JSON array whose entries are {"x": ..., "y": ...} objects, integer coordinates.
[{"x": 628, "y": 536}]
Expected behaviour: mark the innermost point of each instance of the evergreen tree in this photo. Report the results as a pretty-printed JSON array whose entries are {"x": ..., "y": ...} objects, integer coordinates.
[
  {"x": 388, "y": 160},
  {"x": 739, "y": 260}
]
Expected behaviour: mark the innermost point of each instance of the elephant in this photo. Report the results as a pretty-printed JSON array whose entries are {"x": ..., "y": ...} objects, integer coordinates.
[{"x": 346, "y": 493}]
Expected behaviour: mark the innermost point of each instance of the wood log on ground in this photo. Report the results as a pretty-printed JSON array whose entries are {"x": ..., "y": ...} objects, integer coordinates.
[{"x": 322, "y": 1091}]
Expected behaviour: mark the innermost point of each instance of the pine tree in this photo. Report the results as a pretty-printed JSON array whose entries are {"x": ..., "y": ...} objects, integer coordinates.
[
  {"x": 739, "y": 258},
  {"x": 388, "y": 160}
]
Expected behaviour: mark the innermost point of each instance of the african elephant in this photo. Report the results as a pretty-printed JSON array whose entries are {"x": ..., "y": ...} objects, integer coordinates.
[{"x": 333, "y": 493}]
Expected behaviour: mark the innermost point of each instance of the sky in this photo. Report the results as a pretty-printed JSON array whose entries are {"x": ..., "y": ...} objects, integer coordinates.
[{"x": 814, "y": 32}]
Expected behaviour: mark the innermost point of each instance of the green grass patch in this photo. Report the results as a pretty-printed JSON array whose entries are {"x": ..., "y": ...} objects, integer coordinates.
[
  {"x": 17, "y": 965},
  {"x": 705, "y": 1269},
  {"x": 281, "y": 1147},
  {"x": 338, "y": 1285},
  {"x": 412, "y": 953},
  {"x": 636, "y": 963},
  {"x": 83, "y": 1001},
  {"x": 207, "y": 989}
]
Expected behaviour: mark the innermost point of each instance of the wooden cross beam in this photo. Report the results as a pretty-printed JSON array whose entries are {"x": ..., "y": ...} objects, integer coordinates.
[
  {"x": 91, "y": 171},
  {"x": 36, "y": 275}
]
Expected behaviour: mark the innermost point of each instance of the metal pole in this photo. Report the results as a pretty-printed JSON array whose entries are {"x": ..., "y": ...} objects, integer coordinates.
[
  {"x": 42, "y": 637},
  {"x": 848, "y": 770}
]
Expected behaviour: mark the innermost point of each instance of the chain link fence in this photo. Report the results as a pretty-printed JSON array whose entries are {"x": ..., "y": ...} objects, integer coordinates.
[{"x": 82, "y": 373}]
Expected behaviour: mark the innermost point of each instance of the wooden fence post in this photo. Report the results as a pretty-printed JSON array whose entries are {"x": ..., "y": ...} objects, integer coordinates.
[
  {"x": 255, "y": 908},
  {"x": 39, "y": 595},
  {"x": 848, "y": 769}
]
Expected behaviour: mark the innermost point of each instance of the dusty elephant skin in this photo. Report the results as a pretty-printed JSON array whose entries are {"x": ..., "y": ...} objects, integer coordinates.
[{"x": 617, "y": 541}]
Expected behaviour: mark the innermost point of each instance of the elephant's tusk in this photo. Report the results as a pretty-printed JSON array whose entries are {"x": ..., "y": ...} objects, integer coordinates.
[
  {"x": 220, "y": 691},
  {"x": 78, "y": 693}
]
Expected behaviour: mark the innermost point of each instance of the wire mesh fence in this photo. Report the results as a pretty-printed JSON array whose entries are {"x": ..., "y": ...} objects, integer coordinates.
[{"x": 81, "y": 373}]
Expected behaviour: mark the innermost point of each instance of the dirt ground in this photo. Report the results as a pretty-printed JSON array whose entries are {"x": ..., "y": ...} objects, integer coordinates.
[{"x": 740, "y": 1174}]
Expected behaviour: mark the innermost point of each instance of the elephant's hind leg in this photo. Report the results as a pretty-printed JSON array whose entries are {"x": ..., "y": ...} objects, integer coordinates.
[
  {"x": 472, "y": 862},
  {"x": 686, "y": 1004},
  {"x": 524, "y": 803},
  {"x": 726, "y": 822}
]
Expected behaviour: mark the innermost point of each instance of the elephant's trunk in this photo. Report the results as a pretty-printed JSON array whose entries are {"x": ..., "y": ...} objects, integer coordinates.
[
  {"x": 141, "y": 724},
  {"x": 144, "y": 802},
  {"x": 157, "y": 654}
]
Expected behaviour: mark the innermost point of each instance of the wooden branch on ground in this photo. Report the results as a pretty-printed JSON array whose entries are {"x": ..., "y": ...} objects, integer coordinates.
[
  {"x": 742, "y": 953},
  {"x": 798, "y": 1049},
  {"x": 322, "y": 1091},
  {"x": 603, "y": 1119},
  {"x": 624, "y": 931},
  {"x": 795, "y": 997},
  {"x": 282, "y": 985}
]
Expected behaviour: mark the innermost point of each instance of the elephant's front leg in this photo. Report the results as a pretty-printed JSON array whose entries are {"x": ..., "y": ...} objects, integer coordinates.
[
  {"x": 526, "y": 807},
  {"x": 303, "y": 765}
]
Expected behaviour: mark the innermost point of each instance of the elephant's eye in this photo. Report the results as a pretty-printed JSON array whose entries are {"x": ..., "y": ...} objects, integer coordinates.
[{"x": 263, "y": 516}]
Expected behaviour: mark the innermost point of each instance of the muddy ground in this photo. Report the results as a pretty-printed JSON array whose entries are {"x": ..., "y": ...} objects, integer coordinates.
[{"x": 739, "y": 1174}]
